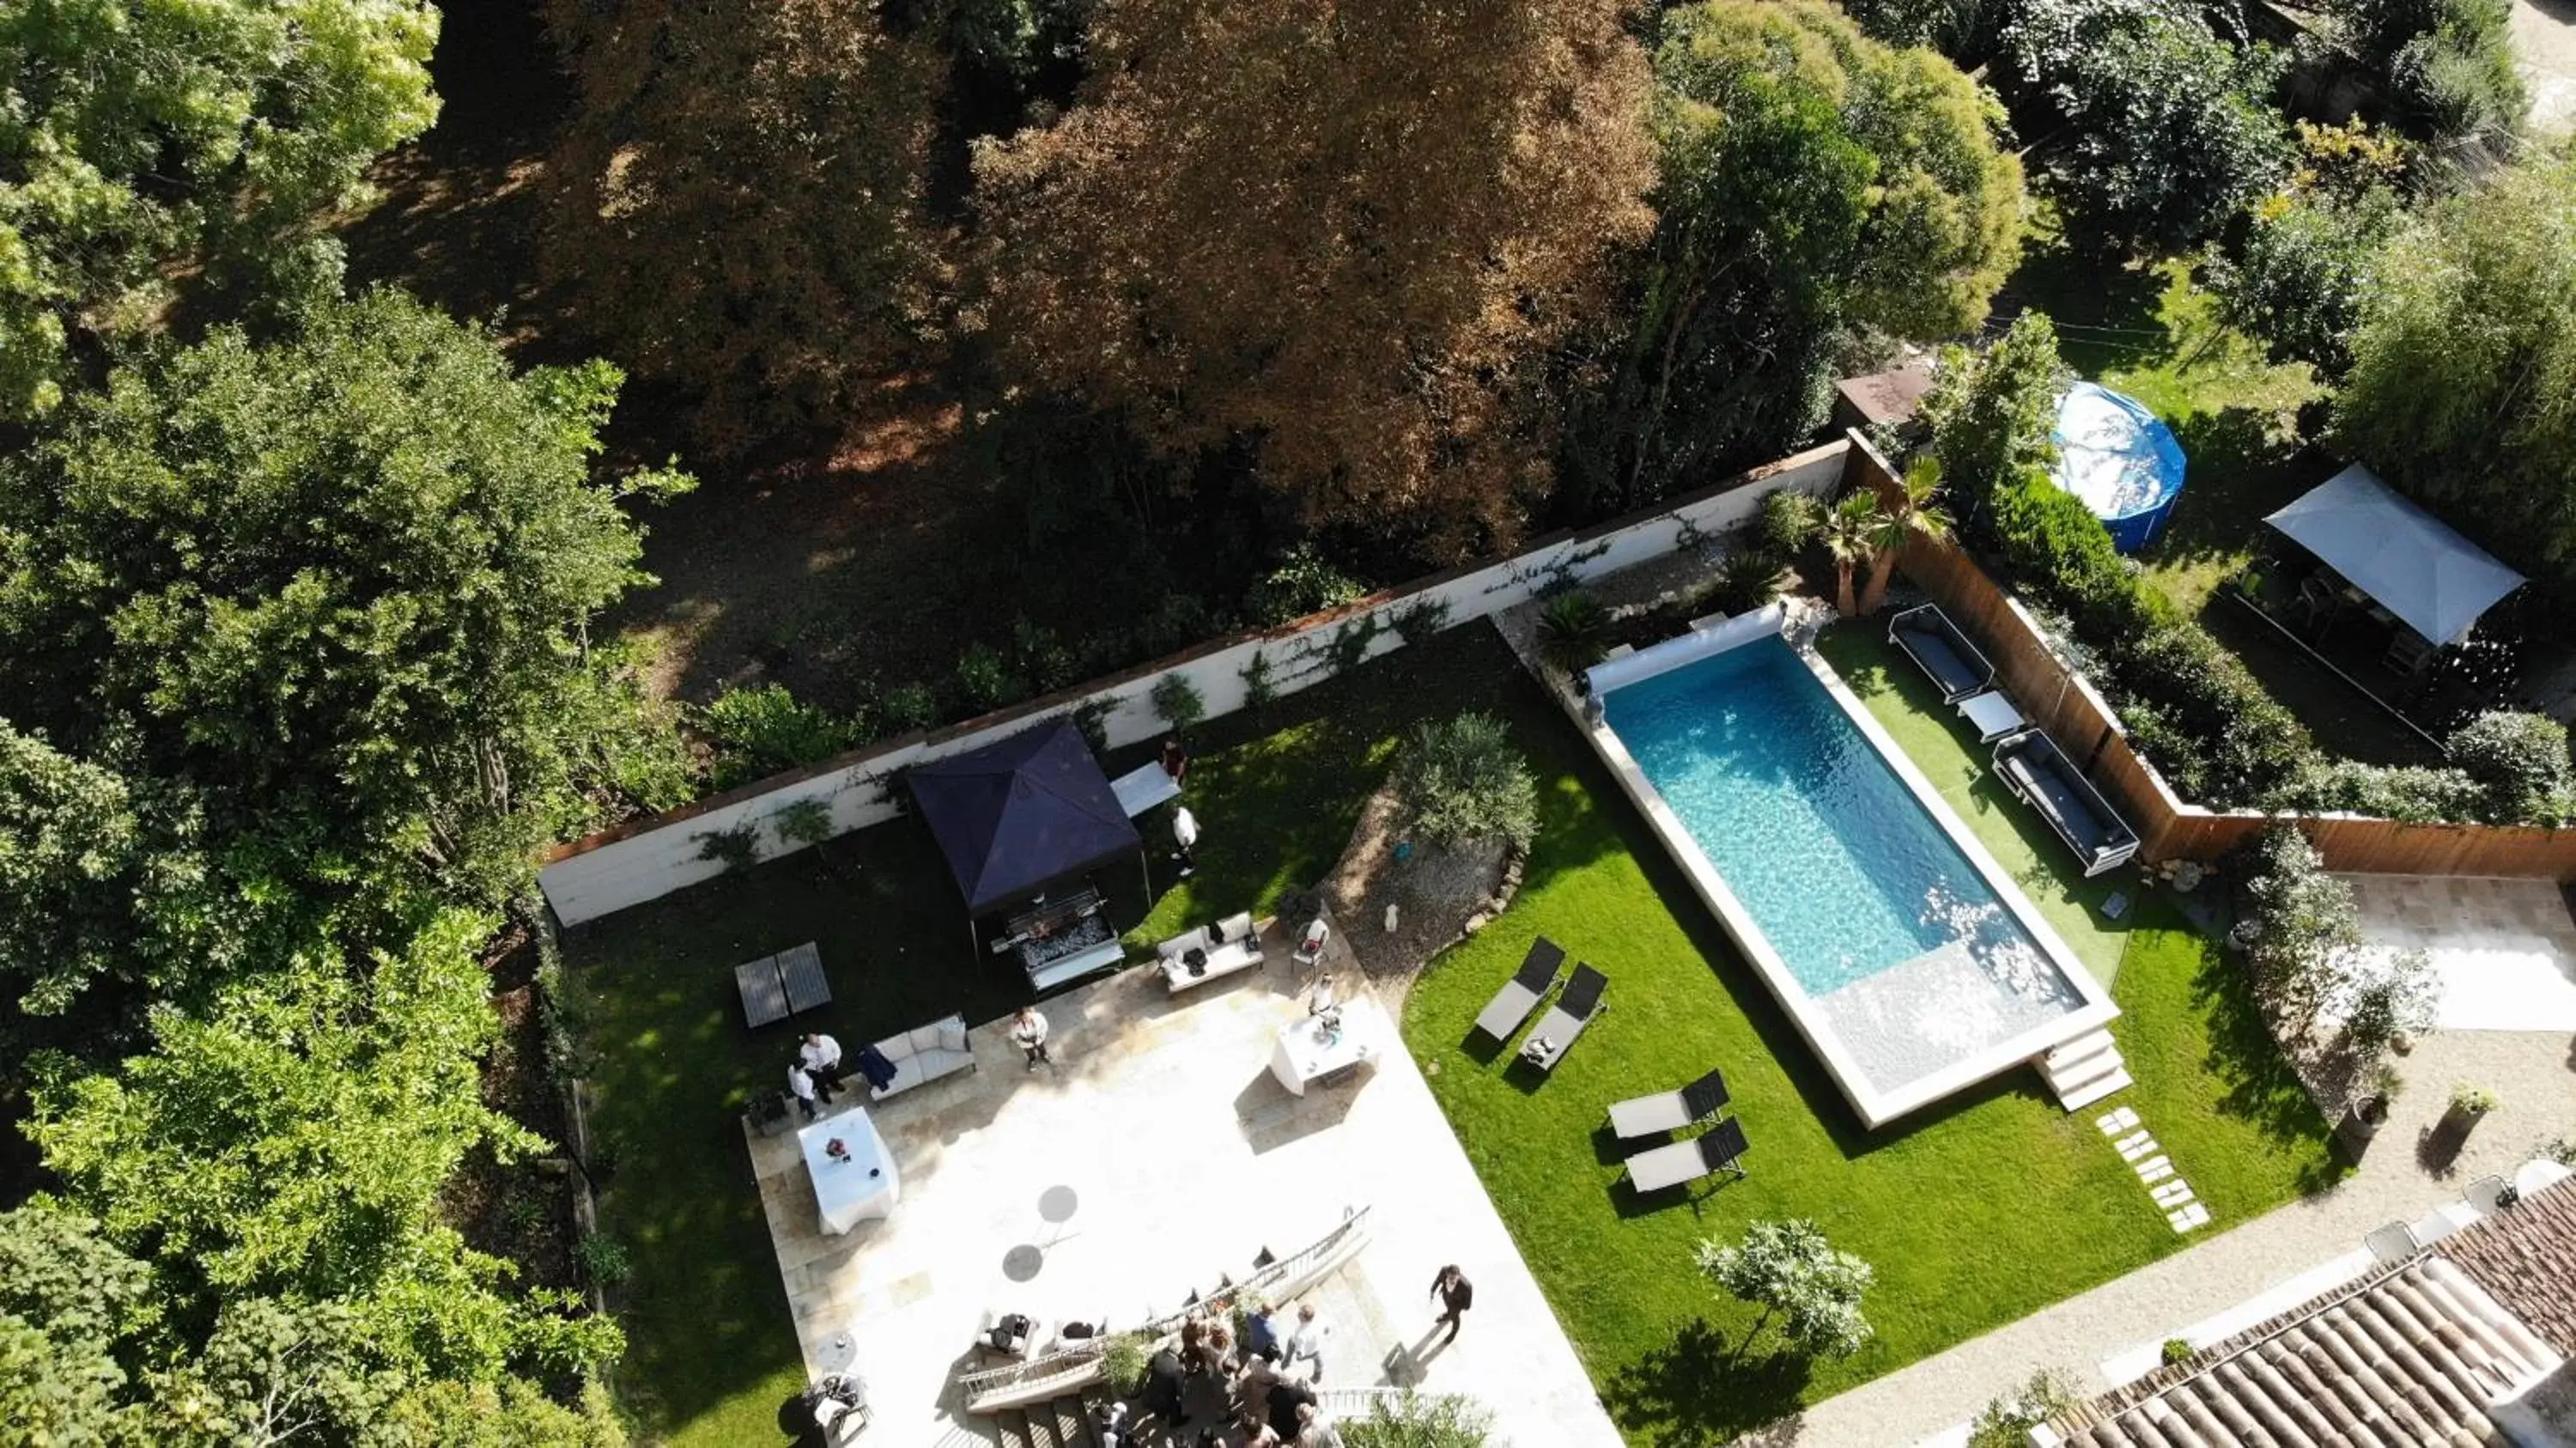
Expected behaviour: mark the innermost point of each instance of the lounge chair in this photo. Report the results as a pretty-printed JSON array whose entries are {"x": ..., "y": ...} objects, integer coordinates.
[
  {"x": 1521, "y": 994},
  {"x": 1566, "y": 1019},
  {"x": 2034, "y": 768},
  {"x": 1942, "y": 652},
  {"x": 1671, "y": 1111},
  {"x": 1720, "y": 1148}
]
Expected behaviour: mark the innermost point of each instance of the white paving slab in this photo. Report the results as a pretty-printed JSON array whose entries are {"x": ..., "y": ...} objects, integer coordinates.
[
  {"x": 2505, "y": 949},
  {"x": 1183, "y": 1157}
]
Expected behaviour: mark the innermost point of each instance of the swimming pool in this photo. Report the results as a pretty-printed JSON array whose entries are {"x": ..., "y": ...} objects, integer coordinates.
[{"x": 1907, "y": 957}]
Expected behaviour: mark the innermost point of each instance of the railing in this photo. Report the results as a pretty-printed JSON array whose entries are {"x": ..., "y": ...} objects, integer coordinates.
[
  {"x": 1341, "y": 1405},
  {"x": 1066, "y": 1370}
]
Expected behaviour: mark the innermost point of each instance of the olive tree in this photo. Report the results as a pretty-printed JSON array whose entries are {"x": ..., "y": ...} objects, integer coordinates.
[{"x": 1788, "y": 1270}]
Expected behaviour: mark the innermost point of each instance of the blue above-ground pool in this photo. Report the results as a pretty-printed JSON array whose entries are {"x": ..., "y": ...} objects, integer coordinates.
[
  {"x": 1901, "y": 951},
  {"x": 2120, "y": 459}
]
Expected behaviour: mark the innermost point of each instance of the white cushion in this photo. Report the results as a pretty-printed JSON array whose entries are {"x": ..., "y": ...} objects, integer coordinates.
[
  {"x": 924, "y": 1038},
  {"x": 1236, "y": 927},
  {"x": 897, "y": 1049},
  {"x": 952, "y": 1035}
]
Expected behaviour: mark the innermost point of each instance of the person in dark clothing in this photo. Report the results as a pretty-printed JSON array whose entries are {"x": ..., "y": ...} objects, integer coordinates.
[
  {"x": 1176, "y": 761},
  {"x": 1165, "y": 1389},
  {"x": 1456, "y": 1295},
  {"x": 1285, "y": 1399}
]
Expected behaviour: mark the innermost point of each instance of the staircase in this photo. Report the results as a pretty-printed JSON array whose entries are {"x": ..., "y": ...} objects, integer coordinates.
[
  {"x": 2084, "y": 1070},
  {"x": 1063, "y": 1422}
]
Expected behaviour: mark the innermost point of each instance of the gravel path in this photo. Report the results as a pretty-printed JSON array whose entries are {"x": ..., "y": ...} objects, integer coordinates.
[{"x": 2533, "y": 1073}]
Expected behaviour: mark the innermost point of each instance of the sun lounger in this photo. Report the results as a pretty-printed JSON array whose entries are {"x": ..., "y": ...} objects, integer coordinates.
[
  {"x": 2034, "y": 768},
  {"x": 1671, "y": 1111},
  {"x": 1566, "y": 1019},
  {"x": 1942, "y": 652},
  {"x": 1521, "y": 994},
  {"x": 1720, "y": 1148}
]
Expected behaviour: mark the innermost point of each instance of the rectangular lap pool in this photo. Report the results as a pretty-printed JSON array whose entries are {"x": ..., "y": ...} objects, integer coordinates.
[{"x": 1910, "y": 962}]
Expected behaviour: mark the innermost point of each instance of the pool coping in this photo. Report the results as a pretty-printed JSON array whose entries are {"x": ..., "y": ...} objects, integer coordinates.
[{"x": 1876, "y": 1107}]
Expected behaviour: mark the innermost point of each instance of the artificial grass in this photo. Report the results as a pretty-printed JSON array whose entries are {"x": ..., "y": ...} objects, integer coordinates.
[
  {"x": 712, "y": 1351},
  {"x": 1975, "y": 1212}
]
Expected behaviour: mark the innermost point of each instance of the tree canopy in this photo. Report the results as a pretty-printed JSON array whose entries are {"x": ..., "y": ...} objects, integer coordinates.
[
  {"x": 1813, "y": 181},
  {"x": 138, "y": 137},
  {"x": 1789, "y": 1270},
  {"x": 311, "y": 616},
  {"x": 2171, "y": 128},
  {"x": 2463, "y": 383},
  {"x": 1333, "y": 243},
  {"x": 715, "y": 238}
]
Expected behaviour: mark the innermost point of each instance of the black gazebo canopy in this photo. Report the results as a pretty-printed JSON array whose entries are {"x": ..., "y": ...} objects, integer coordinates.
[{"x": 1021, "y": 814}]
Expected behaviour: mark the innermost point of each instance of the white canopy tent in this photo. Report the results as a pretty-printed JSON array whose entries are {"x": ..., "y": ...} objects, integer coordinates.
[{"x": 2412, "y": 563}]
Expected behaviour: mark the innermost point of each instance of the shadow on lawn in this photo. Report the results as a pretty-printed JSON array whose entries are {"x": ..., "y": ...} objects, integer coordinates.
[
  {"x": 2262, "y": 1087},
  {"x": 1700, "y": 1389}
]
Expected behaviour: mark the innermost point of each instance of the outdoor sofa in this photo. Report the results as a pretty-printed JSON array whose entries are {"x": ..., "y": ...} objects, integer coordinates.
[
  {"x": 1942, "y": 652},
  {"x": 1556, "y": 1031},
  {"x": 1229, "y": 945},
  {"x": 1671, "y": 1110},
  {"x": 1521, "y": 994},
  {"x": 2033, "y": 767},
  {"x": 924, "y": 1053},
  {"x": 1720, "y": 1148}
]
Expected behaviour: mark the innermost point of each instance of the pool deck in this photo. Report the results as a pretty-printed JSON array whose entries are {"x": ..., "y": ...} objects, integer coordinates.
[{"x": 1876, "y": 1018}]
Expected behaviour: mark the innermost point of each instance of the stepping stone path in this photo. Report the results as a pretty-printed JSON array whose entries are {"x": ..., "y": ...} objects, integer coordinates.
[{"x": 2137, "y": 1146}]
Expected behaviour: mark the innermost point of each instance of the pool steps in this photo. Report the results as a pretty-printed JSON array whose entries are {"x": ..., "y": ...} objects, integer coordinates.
[{"x": 2084, "y": 1070}]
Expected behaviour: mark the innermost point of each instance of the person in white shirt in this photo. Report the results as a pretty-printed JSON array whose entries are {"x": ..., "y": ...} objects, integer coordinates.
[
  {"x": 1029, "y": 1033},
  {"x": 801, "y": 1086},
  {"x": 1307, "y": 1341},
  {"x": 1185, "y": 833},
  {"x": 821, "y": 1058}
]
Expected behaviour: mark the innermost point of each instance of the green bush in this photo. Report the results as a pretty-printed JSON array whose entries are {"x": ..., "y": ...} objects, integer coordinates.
[
  {"x": 1418, "y": 1420},
  {"x": 2300, "y": 930},
  {"x": 1302, "y": 583},
  {"x": 909, "y": 708},
  {"x": 763, "y": 730},
  {"x": 2518, "y": 764},
  {"x": 1177, "y": 700},
  {"x": 604, "y": 1259},
  {"x": 1747, "y": 580},
  {"x": 2450, "y": 62},
  {"x": 985, "y": 681},
  {"x": 2006, "y": 1421},
  {"x": 2399, "y": 998},
  {"x": 2176, "y": 1349},
  {"x": 1571, "y": 630},
  {"x": 2249, "y": 745},
  {"x": 1465, "y": 780},
  {"x": 2411, "y": 793},
  {"x": 1790, "y": 522},
  {"x": 2053, "y": 544}
]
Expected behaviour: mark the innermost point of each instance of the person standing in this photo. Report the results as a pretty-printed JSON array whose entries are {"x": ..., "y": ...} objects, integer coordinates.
[
  {"x": 1029, "y": 1033},
  {"x": 1176, "y": 761},
  {"x": 1185, "y": 833},
  {"x": 821, "y": 1058},
  {"x": 1456, "y": 1295},
  {"x": 801, "y": 1086},
  {"x": 1307, "y": 1341}
]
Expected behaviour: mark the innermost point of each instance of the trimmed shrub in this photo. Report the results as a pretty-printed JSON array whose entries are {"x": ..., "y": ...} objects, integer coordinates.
[
  {"x": 1790, "y": 521},
  {"x": 2412, "y": 794},
  {"x": 1465, "y": 780},
  {"x": 1418, "y": 1420},
  {"x": 2518, "y": 765},
  {"x": 763, "y": 730},
  {"x": 2249, "y": 745}
]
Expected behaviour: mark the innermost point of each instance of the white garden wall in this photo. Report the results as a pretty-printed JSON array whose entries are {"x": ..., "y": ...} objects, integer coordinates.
[{"x": 651, "y": 858}]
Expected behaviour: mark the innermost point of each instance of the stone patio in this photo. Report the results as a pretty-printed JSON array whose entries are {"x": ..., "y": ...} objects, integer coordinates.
[
  {"x": 2505, "y": 949},
  {"x": 1179, "y": 1157}
]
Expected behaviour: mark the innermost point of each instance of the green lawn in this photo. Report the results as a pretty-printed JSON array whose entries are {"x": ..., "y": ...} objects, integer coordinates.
[
  {"x": 1974, "y": 1212},
  {"x": 712, "y": 1352}
]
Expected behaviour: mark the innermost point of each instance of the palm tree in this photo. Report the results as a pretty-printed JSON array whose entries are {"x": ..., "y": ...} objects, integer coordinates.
[
  {"x": 1846, "y": 535},
  {"x": 1912, "y": 513}
]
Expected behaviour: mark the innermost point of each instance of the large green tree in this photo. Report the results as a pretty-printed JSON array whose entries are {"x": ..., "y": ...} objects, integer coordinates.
[
  {"x": 739, "y": 204},
  {"x": 1813, "y": 181},
  {"x": 1331, "y": 245},
  {"x": 2463, "y": 383},
  {"x": 138, "y": 137},
  {"x": 310, "y": 624}
]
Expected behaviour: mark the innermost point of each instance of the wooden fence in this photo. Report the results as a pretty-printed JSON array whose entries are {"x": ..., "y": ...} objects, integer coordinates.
[{"x": 2058, "y": 699}]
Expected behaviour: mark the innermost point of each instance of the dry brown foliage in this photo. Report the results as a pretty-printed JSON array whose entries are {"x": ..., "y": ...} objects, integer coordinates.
[
  {"x": 738, "y": 202},
  {"x": 1342, "y": 232}
]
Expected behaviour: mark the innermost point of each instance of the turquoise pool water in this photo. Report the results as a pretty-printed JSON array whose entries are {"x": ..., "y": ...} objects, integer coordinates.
[{"x": 1835, "y": 859}]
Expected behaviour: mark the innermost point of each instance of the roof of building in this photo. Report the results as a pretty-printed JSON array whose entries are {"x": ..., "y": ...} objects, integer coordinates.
[
  {"x": 1891, "y": 396},
  {"x": 2415, "y": 1353}
]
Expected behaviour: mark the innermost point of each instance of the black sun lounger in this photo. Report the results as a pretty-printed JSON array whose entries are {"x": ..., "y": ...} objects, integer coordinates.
[
  {"x": 1566, "y": 1019},
  {"x": 1521, "y": 994},
  {"x": 1720, "y": 1148},
  {"x": 2034, "y": 768},
  {"x": 1670, "y": 1111},
  {"x": 1942, "y": 652}
]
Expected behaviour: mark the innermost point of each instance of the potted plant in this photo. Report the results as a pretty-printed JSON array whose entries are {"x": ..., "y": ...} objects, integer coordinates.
[
  {"x": 2468, "y": 1105},
  {"x": 2369, "y": 1110}
]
